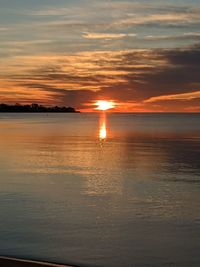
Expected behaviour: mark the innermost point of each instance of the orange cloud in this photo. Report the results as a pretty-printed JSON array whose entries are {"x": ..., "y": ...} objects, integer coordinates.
[
  {"x": 107, "y": 35},
  {"x": 185, "y": 96},
  {"x": 135, "y": 79}
]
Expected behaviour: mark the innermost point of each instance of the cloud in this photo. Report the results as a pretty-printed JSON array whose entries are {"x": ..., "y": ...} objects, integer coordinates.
[
  {"x": 134, "y": 76},
  {"x": 185, "y": 96},
  {"x": 172, "y": 18},
  {"x": 107, "y": 35},
  {"x": 11, "y": 92},
  {"x": 25, "y": 43},
  {"x": 3, "y": 29},
  {"x": 62, "y": 11},
  {"x": 58, "y": 53},
  {"x": 75, "y": 26},
  {"x": 189, "y": 36}
]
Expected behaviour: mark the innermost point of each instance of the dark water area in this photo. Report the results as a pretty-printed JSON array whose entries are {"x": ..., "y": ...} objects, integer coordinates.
[{"x": 105, "y": 190}]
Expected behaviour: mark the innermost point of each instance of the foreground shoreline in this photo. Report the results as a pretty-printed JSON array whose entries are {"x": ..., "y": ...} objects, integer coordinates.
[{"x": 14, "y": 262}]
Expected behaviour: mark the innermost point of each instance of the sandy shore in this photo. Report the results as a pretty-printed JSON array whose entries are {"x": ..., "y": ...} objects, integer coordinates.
[{"x": 12, "y": 262}]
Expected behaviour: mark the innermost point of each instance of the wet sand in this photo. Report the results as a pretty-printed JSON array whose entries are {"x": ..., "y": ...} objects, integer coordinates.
[{"x": 12, "y": 262}]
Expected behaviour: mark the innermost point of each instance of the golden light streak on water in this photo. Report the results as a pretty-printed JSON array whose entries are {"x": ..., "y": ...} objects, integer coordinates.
[{"x": 102, "y": 126}]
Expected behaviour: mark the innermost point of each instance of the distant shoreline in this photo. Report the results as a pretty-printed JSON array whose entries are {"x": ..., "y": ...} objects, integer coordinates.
[
  {"x": 35, "y": 108},
  {"x": 40, "y": 112}
]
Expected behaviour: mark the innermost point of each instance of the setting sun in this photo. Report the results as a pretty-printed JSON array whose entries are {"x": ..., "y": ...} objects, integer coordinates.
[{"x": 104, "y": 105}]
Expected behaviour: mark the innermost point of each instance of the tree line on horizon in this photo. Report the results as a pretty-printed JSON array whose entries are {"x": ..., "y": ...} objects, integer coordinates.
[{"x": 34, "y": 108}]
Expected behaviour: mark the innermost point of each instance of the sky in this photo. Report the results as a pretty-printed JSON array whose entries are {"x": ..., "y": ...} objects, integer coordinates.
[{"x": 144, "y": 55}]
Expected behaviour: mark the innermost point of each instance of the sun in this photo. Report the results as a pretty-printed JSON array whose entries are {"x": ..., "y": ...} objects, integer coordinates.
[{"x": 104, "y": 104}]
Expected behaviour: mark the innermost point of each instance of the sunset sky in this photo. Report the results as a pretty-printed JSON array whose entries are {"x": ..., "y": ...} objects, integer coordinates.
[{"x": 144, "y": 55}]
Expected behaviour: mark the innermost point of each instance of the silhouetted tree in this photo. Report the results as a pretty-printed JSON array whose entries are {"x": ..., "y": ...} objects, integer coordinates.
[{"x": 34, "y": 108}]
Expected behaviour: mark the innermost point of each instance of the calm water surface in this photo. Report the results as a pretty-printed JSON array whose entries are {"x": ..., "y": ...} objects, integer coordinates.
[{"x": 119, "y": 190}]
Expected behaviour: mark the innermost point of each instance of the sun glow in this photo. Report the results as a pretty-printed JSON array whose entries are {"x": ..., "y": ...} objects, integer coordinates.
[{"x": 104, "y": 105}]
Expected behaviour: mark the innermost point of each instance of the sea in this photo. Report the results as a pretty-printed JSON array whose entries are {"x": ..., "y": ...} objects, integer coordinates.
[{"x": 101, "y": 189}]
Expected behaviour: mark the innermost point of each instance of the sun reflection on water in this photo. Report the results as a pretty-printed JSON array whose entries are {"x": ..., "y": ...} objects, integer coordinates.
[{"x": 102, "y": 126}]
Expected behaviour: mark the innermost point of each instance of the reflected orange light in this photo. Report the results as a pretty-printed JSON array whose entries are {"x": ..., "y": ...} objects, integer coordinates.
[
  {"x": 104, "y": 104},
  {"x": 103, "y": 131},
  {"x": 102, "y": 126}
]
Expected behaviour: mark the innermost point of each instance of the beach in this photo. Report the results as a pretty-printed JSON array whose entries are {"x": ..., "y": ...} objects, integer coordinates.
[{"x": 13, "y": 262}]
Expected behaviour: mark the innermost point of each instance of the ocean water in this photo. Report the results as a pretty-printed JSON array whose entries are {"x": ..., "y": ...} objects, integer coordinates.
[{"x": 106, "y": 190}]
